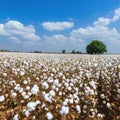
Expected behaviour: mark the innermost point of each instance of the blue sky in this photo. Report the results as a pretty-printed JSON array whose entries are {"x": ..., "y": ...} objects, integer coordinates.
[{"x": 53, "y": 25}]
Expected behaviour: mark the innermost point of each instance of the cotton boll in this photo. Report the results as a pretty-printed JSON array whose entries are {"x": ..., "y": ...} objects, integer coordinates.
[
  {"x": 14, "y": 95},
  {"x": 118, "y": 91},
  {"x": 25, "y": 82},
  {"x": 56, "y": 82},
  {"x": 49, "y": 116},
  {"x": 63, "y": 77},
  {"x": 76, "y": 89},
  {"x": 26, "y": 97},
  {"x": 59, "y": 85},
  {"x": 6, "y": 95},
  {"x": 4, "y": 74},
  {"x": 95, "y": 64},
  {"x": 66, "y": 100},
  {"x": 45, "y": 85},
  {"x": 60, "y": 74},
  {"x": 87, "y": 90},
  {"x": 23, "y": 93},
  {"x": 50, "y": 80},
  {"x": 2, "y": 98},
  {"x": 27, "y": 113},
  {"x": 75, "y": 96},
  {"x": 35, "y": 89},
  {"x": 108, "y": 105},
  {"x": 99, "y": 115},
  {"x": 92, "y": 115},
  {"x": 20, "y": 90},
  {"x": 71, "y": 101},
  {"x": 88, "y": 75},
  {"x": 66, "y": 84},
  {"x": 92, "y": 84},
  {"x": 69, "y": 88},
  {"x": 91, "y": 92},
  {"x": 53, "y": 70},
  {"x": 81, "y": 85},
  {"x": 37, "y": 78},
  {"x": 104, "y": 102},
  {"x": 43, "y": 105},
  {"x": 60, "y": 93},
  {"x": 16, "y": 117},
  {"x": 71, "y": 84},
  {"x": 57, "y": 89},
  {"x": 47, "y": 98},
  {"x": 22, "y": 101},
  {"x": 27, "y": 88},
  {"x": 84, "y": 111},
  {"x": 64, "y": 103},
  {"x": 85, "y": 107},
  {"x": 78, "y": 108},
  {"x": 22, "y": 73},
  {"x": 52, "y": 75},
  {"x": 29, "y": 94},
  {"x": 33, "y": 117},
  {"x": 64, "y": 110},
  {"x": 31, "y": 106},
  {"x": 102, "y": 96},
  {"x": 46, "y": 109},
  {"x": 52, "y": 93},
  {"x": 76, "y": 101},
  {"x": 17, "y": 88},
  {"x": 37, "y": 102},
  {"x": 53, "y": 87}
]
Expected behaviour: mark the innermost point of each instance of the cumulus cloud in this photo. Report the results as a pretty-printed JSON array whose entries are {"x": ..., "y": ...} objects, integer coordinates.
[
  {"x": 102, "y": 22},
  {"x": 51, "y": 26},
  {"x": 116, "y": 15},
  {"x": 15, "y": 39},
  {"x": 101, "y": 30},
  {"x": 16, "y": 31},
  {"x": 69, "y": 43},
  {"x": 56, "y": 39},
  {"x": 94, "y": 31}
]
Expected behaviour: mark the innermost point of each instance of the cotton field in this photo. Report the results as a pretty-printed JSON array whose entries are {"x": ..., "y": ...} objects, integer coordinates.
[{"x": 59, "y": 87}]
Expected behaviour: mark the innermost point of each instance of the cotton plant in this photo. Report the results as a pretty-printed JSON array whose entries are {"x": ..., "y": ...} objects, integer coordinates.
[{"x": 59, "y": 86}]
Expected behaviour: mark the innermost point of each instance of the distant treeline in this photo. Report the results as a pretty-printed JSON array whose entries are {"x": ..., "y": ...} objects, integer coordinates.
[
  {"x": 5, "y": 50},
  {"x": 63, "y": 52},
  {"x": 72, "y": 52}
]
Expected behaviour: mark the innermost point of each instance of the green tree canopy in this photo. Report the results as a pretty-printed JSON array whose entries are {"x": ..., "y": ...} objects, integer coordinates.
[
  {"x": 73, "y": 52},
  {"x": 96, "y": 47},
  {"x": 64, "y": 51}
]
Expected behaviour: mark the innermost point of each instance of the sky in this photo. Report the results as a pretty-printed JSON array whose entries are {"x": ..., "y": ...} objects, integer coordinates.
[{"x": 54, "y": 25}]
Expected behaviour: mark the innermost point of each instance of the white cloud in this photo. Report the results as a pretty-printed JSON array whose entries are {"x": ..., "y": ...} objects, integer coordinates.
[
  {"x": 101, "y": 30},
  {"x": 116, "y": 15},
  {"x": 56, "y": 39},
  {"x": 102, "y": 22},
  {"x": 3, "y": 32},
  {"x": 62, "y": 42},
  {"x": 96, "y": 32},
  {"x": 15, "y": 39},
  {"x": 51, "y": 26},
  {"x": 16, "y": 31}
]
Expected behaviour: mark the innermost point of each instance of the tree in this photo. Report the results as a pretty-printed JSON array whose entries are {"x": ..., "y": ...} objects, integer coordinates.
[
  {"x": 63, "y": 51},
  {"x": 37, "y": 51},
  {"x": 78, "y": 52},
  {"x": 73, "y": 52},
  {"x": 96, "y": 47}
]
